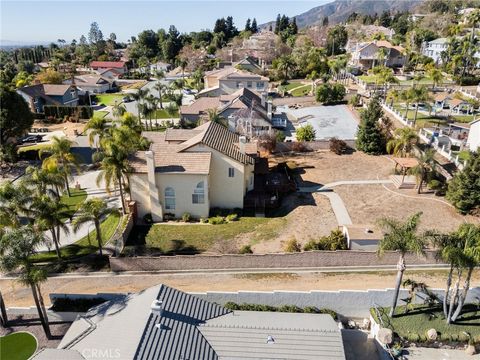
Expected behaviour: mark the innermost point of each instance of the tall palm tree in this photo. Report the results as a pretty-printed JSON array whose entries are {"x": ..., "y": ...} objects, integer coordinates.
[
  {"x": 97, "y": 127},
  {"x": 461, "y": 250},
  {"x": 436, "y": 75},
  {"x": 118, "y": 110},
  {"x": 61, "y": 158},
  {"x": 16, "y": 250},
  {"x": 197, "y": 77},
  {"x": 44, "y": 181},
  {"x": 403, "y": 141},
  {"x": 401, "y": 237},
  {"x": 114, "y": 168},
  {"x": 14, "y": 201},
  {"x": 152, "y": 107},
  {"x": 407, "y": 96},
  {"x": 419, "y": 95},
  {"x": 139, "y": 96},
  {"x": 160, "y": 88},
  {"x": 50, "y": 215},
  {"x": 426, "y": 164},
  {"x": 93, "y": 210}
]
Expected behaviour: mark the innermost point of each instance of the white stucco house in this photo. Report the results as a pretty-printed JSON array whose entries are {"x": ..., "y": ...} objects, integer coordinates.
[
  {"x": 191, "y": 171},
  {"x": 433, "y": 49},
  {"x": 473, "y": 140}
]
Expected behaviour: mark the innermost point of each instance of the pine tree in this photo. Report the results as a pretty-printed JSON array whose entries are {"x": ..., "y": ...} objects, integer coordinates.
[
  {"x": 464, "y": 189},
  {"x": 369, "y": 137},
  {"x": 254, "y": 27},
  {"x": 277, "y": 24},
  {"x": 248, "y": 26},
  {"x": 325, "y": 21},
  {"x": 293, "y": 27}
]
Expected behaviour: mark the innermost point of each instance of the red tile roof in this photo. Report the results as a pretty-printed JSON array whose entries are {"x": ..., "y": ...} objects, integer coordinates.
[{"x": 107, "y": 64}]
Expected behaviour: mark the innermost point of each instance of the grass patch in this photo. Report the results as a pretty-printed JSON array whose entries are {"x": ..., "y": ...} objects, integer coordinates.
[
  {"x": 99, "y": 114},
  {"x": 414, "y": 325},
  {"x": 109, "y": 99},
  {"x": 17, "y": 346},
  {"x": 292, "y": 85},
  {"x": 302, "y": 91},
  {"x": 163, "y": 114},
  {"x": 74, "y": 201},
  {"x": 198, "y": 238},
  {"x": 86, "y": 245},
  {"x": 463, "y": 118}
]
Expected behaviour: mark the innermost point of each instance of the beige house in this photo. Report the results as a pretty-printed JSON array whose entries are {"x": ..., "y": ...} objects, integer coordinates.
[
  {"x": 191, "y": 171},
  {"x": 230, "y": 79},
  {"x": 368, "y": 55}
]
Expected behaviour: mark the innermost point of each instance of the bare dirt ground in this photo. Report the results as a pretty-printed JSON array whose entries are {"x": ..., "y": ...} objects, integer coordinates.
[
  {"x": 67, "y": 127},
  {"x": 368, "y": 203},
  {"x": 323, "y": 167},
  {"x": 309, "y": 217},
  {"x": 16, "y": 295}
]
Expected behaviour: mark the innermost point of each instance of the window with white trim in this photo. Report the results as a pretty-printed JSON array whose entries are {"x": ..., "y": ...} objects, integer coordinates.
[
  {"x": 231, "y": 172},
  {"x": 169, "y": 198},
  {"x": 198, "y": 196}
]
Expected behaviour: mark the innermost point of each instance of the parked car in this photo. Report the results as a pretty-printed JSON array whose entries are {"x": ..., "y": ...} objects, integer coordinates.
[
  {"x": 31, "y": 139},
  {"x": 187, "y": 91}
]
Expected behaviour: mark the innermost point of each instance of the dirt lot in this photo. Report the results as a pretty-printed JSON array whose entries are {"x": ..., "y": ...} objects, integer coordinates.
[
  {"x": 368, "y": 203},
  {"x": 16, "y": 295},
  {"x": 67, "y": 127},
  {"x": 324, "y": 167}
]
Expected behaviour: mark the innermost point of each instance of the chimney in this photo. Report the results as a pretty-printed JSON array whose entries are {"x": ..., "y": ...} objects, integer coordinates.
[
  {"x": 242, "y": 140},
  {"x": 157, "y": 307},
  {"x": 155, "y": 206}
]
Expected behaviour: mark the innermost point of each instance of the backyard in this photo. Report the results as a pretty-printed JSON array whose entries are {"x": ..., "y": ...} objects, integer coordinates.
[
  {"x": 109, "y": 99},
  {"x": 17, "y": 346},
  {"x": 426, "y": 118}
]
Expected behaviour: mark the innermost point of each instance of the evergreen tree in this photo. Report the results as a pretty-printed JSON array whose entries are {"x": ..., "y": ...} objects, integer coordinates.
[
  {"x": 284, "y": 22},
  {"x": 231, "y": 30},
  {"x": 277, "y": 24},
  {"x": 254, "y": 27},
  {"x": 248, "y": 26},
  {"x": 325, "y": 21},
  {"x": 464, "y": 189},
  {"x": 369, "y": 137},
  {"x": 293, "y": 27},
  {"x": 220, "y": 26}
]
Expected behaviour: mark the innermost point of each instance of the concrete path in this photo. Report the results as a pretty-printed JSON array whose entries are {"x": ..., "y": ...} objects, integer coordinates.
[{"x": 338, "y": 206}]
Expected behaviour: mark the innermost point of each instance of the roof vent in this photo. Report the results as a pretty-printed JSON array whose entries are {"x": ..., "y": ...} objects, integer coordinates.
[
  {"x": 270, "y": 339},
  {"x": 368, "y": 231},
  {"x": 156, "y": 307}
]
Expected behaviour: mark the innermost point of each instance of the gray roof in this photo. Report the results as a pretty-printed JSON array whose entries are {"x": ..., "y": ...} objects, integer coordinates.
[
  {"x": 244, "y": 334},
  {"x": 57, "y": 354},
  {"x": 178, "y": 336}
]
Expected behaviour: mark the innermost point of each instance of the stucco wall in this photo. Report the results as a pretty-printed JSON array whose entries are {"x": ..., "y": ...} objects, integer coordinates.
[
  {"x": 225, "y": 192},
  {"x": 183, "y": 184},
  {"x": 474, "y": 136},
  {"x": 139, "y": 190}
]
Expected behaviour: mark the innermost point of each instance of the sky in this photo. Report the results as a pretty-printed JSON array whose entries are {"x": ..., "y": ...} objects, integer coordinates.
[{"x": 47, "y": 21}]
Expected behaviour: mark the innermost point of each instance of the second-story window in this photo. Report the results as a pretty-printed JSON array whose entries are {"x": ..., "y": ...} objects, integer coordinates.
[{"x": 231, "y": 172}]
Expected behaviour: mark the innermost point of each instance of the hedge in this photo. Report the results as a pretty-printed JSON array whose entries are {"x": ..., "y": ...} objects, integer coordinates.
[
  {"x": 284, "y": 308},
  {"x": 59, "y": 112}
]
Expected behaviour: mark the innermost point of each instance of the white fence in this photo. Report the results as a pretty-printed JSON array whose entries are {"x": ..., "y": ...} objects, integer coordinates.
[
  {"x": 443, "y": 150},
  {"x": 397, "y": 115}
]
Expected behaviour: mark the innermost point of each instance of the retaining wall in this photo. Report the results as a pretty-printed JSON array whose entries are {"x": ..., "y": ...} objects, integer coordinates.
[
  {"x": 310, "y": 259},
  {"x": 310, "y": 145}
]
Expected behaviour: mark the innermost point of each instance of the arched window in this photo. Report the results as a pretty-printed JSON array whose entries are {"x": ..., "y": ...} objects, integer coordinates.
[
  {"x": 198, "y": 196},
  {"x": 169, "y": 198}
]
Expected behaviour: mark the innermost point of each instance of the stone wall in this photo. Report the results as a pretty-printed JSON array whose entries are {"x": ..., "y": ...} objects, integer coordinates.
[{"x": 311, "y": 259}]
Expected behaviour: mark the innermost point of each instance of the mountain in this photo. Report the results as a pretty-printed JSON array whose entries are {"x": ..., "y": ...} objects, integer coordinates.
[{"x": 339, "y": 10}]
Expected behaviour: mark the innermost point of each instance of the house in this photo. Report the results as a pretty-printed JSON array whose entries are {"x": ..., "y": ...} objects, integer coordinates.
[
  {"x": 153, "y": 68},
  {"x": 248, "y": 63},
  {"x": 191, "y": 171},
  {"x": 433, "y": 49},
  {"x": 473, "y": 140},
  {"x": 246, "y": 112},
  {"x": 48, "y": 94},
  {"x": 368, "y": 55},
  {"x": 111, "y": 74},
  {"x": 163, "y": 323},
  {"x": 442, "y": 100},
  {"x": 362, "y": 237},
  {"x": 100, "y": 66},
  {"x": 229, "y": 79},
  {"x": 94, "y": 84}
]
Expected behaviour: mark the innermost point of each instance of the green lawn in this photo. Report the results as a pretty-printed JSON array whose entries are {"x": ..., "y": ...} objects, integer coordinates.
[
  {"x": 99, "y": 114},
  {"x": 414, "y": 325},
  {"x": 302, "y": 91},
  {"x": 463, "y": 118},
  {"x": 34, "y": 147},
  {"x": 431, "y": 118},
  {"x": 17, "y": 346},
  {"x": 292, "y": 85},
  {"x": 163, "y": 114},
  {"x": 74, "y": 201},
  {"x": 84, "y": 246},
  {"x": 109, "y": 99},
  {"x": 199, "y": 237}
]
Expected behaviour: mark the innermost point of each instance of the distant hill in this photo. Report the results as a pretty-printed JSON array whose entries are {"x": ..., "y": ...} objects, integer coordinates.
[{"x": 339, "y": 10}]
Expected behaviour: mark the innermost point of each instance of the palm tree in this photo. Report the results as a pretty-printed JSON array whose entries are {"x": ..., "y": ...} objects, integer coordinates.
[
  {"x": 138, "y": 97},
  {"x": 98, "y": 127},
  {"x": 214, "y": 116},
  {"x": 436, "y": 75},
  {"x": 403, "y": 141},
  {"x": 402, "y": 237},
  {"x": 115, "y": 168},
  {"x": 152, "y": 107},
  {"x": 16, "y": 250},
  {"x": 419, "y": 95},
  {"x": 93, "y": 210},
  {"x": 60, "y": 158},
  {"x": 118, "y": 110},
  {"x": 197, "y": 77},
  {"x": 44, "y": 181},
  {"x": 461, "y": 250},
  {"x": 160, "y": 88},
  {"x": 426, "y": 164},
  {"x": 50, "y": 215},
  {"x": 394, "y": 95},
  {"x": 285, "y": 64},
  {"x": 314, "y": 77},
  {"x": 14, "y": 200},
  {"x": 407, "y": 96}
]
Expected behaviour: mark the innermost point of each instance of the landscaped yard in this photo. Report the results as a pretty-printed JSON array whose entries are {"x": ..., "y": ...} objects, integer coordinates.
[
  {"x": 163, "y": 114},
  {"x": 302, "y": 90},
  {"x": 86, "y": 245},
  {"x": 73, "y": 202},
  {"x": 292, "y": 85},
  {"x": 100, "y": 114},
  {"x": 193, "y": 238},
  {"x": 17, "y": 346},
  {"x": 109, "y": 99},
  {"x": 414, "y": 325}
]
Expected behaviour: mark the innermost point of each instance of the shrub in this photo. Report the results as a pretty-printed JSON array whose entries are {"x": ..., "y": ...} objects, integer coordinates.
[
  {"x": 232, "y": 217},
  {"x": 292, "y": 245},
  {"x": 330, "y": 93},
  {"x": 284, "y": 308},
  {"x": 245, "y": 249},
  {"x": 147, "y": 218},
  {"x": 355, "y": 100},
  {"x": 305, "y": 133},
  {"x": 434, "y": 184},
  {"x": 203, "y": 220},
  {"x": 337, "y": 146},
  {"x": 168, "y": 216},
  {"x": 332, "y": 242},
  {"x": 186, "y": 217},
  {"x": 216, "y": 220}
]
